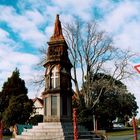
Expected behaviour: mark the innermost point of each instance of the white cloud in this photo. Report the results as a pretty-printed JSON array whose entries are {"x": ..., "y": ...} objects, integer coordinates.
[
  {"x": 25, "y": 25},
  {"x": 23, "y": 5},
  {"x": 79, "y": 8},
  {"x": 35, "y": 17},
  {"x": 120, "y": 16},
  {"x": 5, "y": 39},
  {"x": 49, "y": 32},
  {"x": 3, "y": 35},
  {"x": 129, "y": 37},
  {"x": 123, "y": 22},
  {"x": 10, "y": 59},
  {"x": 51, "y": 11}
]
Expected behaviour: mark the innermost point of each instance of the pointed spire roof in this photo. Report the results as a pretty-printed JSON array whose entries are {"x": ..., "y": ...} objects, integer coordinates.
[{"x": 57, "y": 35}]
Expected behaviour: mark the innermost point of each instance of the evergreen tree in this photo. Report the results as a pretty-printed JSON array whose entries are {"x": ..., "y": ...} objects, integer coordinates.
[
  {"x": 114, "y": 101},
  {"x": 15, "y": 106}
]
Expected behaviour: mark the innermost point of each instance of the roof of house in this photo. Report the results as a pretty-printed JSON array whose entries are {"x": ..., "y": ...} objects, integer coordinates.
[{"x": 39, "y": 99}]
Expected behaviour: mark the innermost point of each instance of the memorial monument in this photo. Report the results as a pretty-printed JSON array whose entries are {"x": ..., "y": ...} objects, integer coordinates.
[{"x": 58, "y": 91}]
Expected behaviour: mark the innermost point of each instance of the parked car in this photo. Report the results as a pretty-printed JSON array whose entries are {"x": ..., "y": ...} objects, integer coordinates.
[{"x": 118, "y": 125}]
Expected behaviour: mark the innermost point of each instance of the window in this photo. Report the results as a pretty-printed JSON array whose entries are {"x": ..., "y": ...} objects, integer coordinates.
[
  {"x": 47, "y": 82},
  {"x": 53, "y": 105},
  {"x": 45, "y": 109},
  {"x": 47, "y": 77},
  {"x": 55, "y": 83}
]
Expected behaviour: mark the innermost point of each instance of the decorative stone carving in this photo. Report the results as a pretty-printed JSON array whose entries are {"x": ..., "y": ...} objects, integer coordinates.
[{"x": 57, "y": 30}]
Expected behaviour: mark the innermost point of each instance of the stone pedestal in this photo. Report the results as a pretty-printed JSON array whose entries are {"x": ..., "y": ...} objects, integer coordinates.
[{"x": 55, "y": 131}]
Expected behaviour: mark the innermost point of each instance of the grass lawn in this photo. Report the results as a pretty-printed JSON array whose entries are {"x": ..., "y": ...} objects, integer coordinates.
[
  {"x": 7, "y": 136},
  {"x": 122, "y": 132}
]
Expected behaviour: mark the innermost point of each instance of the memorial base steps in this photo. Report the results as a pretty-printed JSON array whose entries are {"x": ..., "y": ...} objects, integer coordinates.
[{"x": 55, "y": 131}]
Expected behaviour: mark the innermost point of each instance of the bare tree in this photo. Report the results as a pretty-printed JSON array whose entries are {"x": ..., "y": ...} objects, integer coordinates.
[
  {"x": 38, "y": 81},
  {"x": 92, "y": 51}
]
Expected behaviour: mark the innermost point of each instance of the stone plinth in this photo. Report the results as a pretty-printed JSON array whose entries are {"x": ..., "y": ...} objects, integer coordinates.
[{"x": 55, "y": 131}]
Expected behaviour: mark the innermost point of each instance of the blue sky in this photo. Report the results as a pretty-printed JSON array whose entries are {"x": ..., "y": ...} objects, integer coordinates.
[{"x": 26, "y": 26}]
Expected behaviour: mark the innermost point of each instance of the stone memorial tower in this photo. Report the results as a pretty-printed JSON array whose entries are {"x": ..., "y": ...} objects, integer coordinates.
[{"x": 58, "y": 89}]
